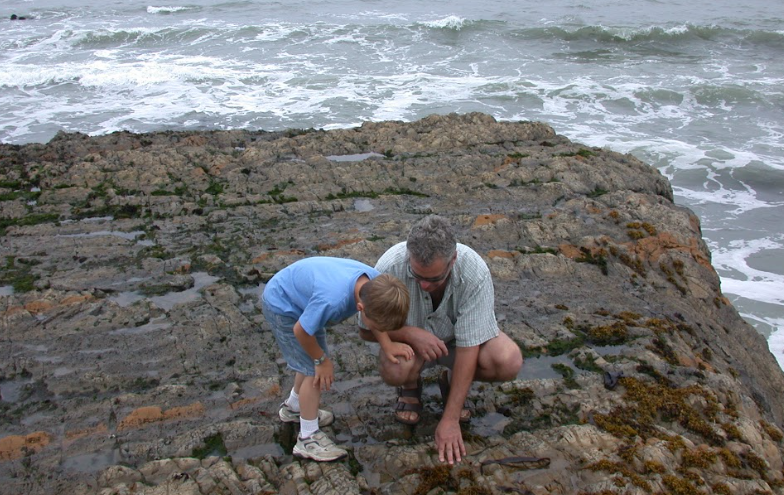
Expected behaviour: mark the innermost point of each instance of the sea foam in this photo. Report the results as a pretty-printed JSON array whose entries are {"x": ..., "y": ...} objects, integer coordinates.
[
  {"x": 164, "y": 10},
  {"x": 449, "y": 22}
]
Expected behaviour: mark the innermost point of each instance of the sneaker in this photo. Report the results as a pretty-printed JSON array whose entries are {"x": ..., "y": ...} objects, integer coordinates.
[
  {"x": 318, "y": 447},
  {"x": 287, "y": 415}
]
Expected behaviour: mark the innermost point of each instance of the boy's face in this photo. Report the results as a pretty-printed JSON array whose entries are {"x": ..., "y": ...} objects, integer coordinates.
[{"x": 372, "y": 325}]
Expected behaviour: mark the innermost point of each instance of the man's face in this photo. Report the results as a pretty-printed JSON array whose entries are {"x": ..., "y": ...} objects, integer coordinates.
[{"x": 434, "y": 276}]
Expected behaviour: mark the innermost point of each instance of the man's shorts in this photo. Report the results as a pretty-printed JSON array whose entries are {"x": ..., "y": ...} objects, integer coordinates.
[{"x": 283, "y": 328}]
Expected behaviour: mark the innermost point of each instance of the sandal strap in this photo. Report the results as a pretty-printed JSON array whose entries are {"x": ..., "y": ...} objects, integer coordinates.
[
  {"x": 409, "y": 392},
  {"x": 413, "y": 407},
  {"x": 408, "y": 406}
]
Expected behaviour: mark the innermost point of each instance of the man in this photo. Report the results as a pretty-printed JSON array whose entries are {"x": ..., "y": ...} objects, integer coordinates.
[{"x": 451, "y": 322}]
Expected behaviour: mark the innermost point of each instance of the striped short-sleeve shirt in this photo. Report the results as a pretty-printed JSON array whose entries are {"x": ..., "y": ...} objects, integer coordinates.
[{"x": 466, "y": 313}]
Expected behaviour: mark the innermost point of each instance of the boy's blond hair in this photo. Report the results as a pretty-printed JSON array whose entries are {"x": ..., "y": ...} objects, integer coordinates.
[{"x": 386, "y": 302}]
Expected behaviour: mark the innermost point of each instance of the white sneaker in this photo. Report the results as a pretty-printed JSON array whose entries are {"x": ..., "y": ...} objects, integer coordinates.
[
  {"x": 287, "y": 415},
  {"x": 318, "y": 447}
]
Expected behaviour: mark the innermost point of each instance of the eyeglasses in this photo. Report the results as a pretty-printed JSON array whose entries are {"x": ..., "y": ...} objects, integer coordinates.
[{"x": 432, "y": 280}]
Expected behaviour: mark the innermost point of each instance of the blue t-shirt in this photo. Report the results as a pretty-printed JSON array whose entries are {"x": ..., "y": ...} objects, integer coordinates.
[{"x": 317, "y": 291}]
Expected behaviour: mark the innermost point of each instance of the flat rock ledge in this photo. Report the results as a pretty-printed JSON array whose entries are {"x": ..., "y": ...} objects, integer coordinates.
[{"x": 135, "y": 358}]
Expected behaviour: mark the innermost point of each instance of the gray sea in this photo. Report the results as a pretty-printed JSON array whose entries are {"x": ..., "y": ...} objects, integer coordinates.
[{"x": 692, "y": 87}]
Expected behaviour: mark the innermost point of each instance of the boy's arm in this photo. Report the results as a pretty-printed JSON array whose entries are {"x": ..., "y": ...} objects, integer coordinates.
[
  {"x": 423, "y": 342},
  {"x": 392, "y": 349},
  {"x": 325, "y": 372}
]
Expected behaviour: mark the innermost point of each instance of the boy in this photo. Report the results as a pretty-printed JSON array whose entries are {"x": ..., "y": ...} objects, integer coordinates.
[{"x": 298, "y": 302}]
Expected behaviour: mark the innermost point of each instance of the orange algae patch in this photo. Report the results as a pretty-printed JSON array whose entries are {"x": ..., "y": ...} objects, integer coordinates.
[
  {"x": 498, "y": 253},
  {"x": 143, "y": 416},
  {"x": 73, "y": 435},
  {"x": 339, "y": 244},
  {"x": 483, "y": 220},
  {"x": 17, "y": 446}
]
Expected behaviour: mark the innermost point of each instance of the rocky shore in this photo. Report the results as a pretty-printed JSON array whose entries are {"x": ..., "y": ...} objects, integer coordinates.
[{"x": 135, "y": 359}]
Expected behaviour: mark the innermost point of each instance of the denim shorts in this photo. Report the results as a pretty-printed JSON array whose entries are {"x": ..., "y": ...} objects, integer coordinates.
[{"x": 283, "y": 328}]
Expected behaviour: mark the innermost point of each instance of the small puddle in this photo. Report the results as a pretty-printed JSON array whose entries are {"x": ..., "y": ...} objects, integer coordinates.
[
  {"x": 7, "y": 290},
  {"x": 541, "y": 367},
  {"x": 252, "y": 305},
  {"x": 254, "y": 451},
  {"x": 353, "y": 158},
  {"x": 62, "y": 371},
  {"x": 363, "y": 205},
  {"x": 168, "y": 301},
  {"x": 491, "y": 424},
  {"x": 125, "y": 299},
  {"x": 12, "y": 390}
]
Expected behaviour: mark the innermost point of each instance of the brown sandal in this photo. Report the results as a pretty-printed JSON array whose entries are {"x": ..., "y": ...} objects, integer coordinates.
[
  {"x": 415, "y": 407},
  {"x": 443, "y": 384}
]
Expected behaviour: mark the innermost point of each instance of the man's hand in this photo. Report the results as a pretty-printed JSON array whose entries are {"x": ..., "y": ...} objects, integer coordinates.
[
  {"x": 449, "y": 441},
  {"x": 325, "y": 375},
  {"x": 425, "y": 343},
  {"x": 394, "y": 349},
  {"x": 449, "y": 438}
]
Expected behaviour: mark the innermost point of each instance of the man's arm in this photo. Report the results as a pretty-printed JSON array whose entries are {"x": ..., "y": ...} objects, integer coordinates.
[{"x": 449, "y": 438}]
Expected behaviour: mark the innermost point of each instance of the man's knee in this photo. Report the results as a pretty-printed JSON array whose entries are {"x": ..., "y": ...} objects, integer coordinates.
[
  {"x": 398, "y": 374},
  {"x": 501, "y": 359},
  {"x": 512, "y": 365}
]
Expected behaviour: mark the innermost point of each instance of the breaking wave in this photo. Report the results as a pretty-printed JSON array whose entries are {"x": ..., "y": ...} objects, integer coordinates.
[{"x": 166, "y": 10}]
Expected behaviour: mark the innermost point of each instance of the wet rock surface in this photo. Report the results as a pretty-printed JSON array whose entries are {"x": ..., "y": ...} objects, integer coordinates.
[{"x": 135, "y": 358}]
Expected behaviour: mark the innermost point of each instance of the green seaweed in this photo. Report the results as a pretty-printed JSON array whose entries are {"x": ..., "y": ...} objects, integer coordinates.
[{"x": 213, "y": 445}]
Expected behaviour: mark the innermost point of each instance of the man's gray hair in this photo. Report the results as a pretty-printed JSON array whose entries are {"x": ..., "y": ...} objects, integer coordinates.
[{"x": 431, "y": 238}]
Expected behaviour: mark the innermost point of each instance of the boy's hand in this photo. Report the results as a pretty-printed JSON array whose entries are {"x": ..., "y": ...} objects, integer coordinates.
[
  {"x": 395, "y": 349},
  {"x": 426, "y": 344},
  {"x": 325, "y": 375}
]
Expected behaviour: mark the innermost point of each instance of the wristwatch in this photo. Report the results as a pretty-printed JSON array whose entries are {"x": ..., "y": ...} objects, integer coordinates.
[{"x": 320, "y": 360}]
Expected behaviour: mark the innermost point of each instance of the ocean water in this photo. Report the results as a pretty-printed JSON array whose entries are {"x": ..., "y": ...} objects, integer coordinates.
[{"x": 692, "y": 87}]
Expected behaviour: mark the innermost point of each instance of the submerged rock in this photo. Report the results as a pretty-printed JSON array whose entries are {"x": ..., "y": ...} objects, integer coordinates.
[{"x": 136, "y": 358}]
